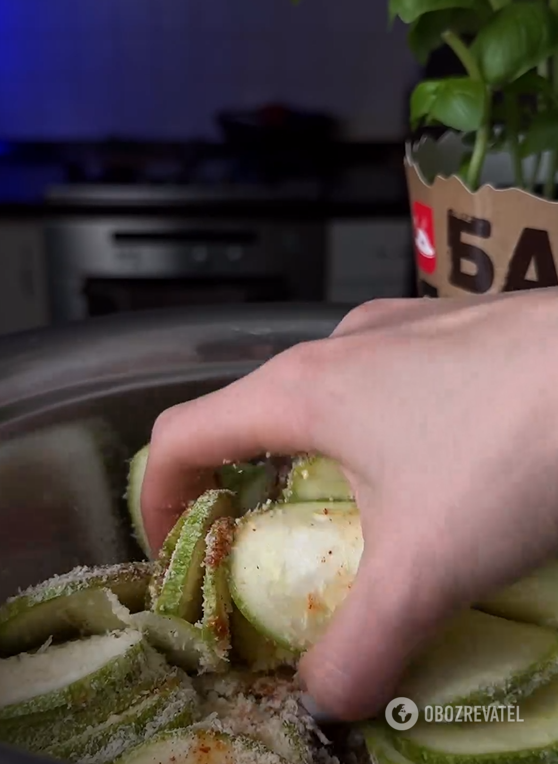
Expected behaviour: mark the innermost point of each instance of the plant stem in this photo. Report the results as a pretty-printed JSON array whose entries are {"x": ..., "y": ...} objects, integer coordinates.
[
  {"x": 483, "y": 133},
  {"x": 463, "y": 54},
  {"x": 535, "y": 174},
  {"x": 478, "y": 157},
  {"x": 512, "y": 118}
]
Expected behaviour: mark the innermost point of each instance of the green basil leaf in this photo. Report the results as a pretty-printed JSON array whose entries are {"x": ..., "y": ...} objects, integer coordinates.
[
  {"x": 410, "y": 10},
  {"x": 542, "y": 134},
  {"x": 456, "y": 102},
  {"x": 516, "y": 39},
  {"x": 531, "y": 83},
  {"x": 422, "y": 101},
  {"x": 425, "y": 34}
]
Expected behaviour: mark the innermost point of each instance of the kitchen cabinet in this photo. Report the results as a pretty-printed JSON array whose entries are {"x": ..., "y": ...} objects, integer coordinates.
[
  {"x": 369, "y": 259},
  {"x": 23, "y": 283}
]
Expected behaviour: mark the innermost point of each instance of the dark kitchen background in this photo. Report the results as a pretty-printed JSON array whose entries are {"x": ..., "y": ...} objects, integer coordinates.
[{"x": 188, "y": 152}]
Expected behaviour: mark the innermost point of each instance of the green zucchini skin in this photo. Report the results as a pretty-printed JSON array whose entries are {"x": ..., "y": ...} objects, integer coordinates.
[
  {"x": 138, "y": 665},
  {"x": 316, "y": 478},
  {"x": 70, "y": 605},
  {"x": 200, "y": 746},
  {"x": 180, "y": 592}
]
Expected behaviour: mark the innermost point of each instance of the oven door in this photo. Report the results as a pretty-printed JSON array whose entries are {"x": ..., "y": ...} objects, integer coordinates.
[{"x": 99, "y": 266}]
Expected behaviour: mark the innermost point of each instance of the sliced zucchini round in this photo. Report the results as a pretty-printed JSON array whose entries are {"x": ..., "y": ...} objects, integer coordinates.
[
  {"x": 292, "y": 566},
  {"x": 380, "y": 745},
  {"x": 528, "y": 735},
  {"x": 181, "y": 589},
  {"x": 316, "y": 478},
  {"x": 172, "y": 705},
  {"x": 76, "y": 603},
  {"x": 478, "y": 658},
  {"x": 184, "y": 644},
  {"x": 217, "y": 604},
  {"x": 38, "y": 732},
  {"x": 532, "y": 599},
  {"x": 253, "y": 649},
  {"x": 75, "y": 674},
  {"x": 162, "y": 562},
  {"x": 200, "y": 746},
  {"x": 136, "y": 473}
]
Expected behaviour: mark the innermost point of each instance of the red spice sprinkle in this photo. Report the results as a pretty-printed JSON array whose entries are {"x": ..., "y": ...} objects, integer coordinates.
[{"x": 219, "y": 541}]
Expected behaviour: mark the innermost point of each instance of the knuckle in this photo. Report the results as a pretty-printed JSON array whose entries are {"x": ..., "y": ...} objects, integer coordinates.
[
  {"x": 368, "y": 314},
  {"x": 162, "y": 426}
]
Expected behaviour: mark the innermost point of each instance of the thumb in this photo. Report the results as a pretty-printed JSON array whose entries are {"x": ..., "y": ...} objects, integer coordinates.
[{"x": 353, "y": 671}]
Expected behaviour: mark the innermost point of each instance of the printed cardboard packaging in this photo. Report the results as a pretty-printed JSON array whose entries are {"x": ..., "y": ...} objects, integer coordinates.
[{"x": 497, "y": 239}]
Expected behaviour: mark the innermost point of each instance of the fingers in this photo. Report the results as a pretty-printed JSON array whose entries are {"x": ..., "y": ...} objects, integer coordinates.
[
  {"x": 354, "y": 670},
  {"x": 266, "y": 411}
]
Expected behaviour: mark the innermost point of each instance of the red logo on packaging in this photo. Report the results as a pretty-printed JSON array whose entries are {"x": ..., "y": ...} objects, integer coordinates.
[{"x": 423, "y": 232}]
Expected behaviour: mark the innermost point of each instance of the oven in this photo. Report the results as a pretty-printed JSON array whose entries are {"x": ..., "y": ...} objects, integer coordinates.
[{"x": 103, "y": 263}]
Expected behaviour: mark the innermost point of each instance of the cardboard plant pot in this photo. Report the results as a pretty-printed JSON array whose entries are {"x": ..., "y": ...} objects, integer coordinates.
[{"x": 496, "y": 239}]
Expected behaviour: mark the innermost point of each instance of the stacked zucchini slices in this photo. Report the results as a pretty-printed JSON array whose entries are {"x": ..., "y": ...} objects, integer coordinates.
[
  {"x": 190, "y": 657},
  {"x": 151, "y": 661}
]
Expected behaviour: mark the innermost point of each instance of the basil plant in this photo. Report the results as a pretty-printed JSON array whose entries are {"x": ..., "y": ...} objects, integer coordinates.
[{"x": 508, "y": 96}]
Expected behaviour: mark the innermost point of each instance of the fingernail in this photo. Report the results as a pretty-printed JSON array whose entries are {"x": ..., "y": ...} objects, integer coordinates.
[{"x": 318, "y": 714}]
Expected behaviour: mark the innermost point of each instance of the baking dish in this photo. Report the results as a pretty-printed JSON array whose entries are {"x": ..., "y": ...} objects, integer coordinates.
[{"x": 77, "y": 402}]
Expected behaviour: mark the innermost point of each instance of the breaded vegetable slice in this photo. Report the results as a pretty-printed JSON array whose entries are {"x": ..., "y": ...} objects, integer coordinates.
[
  {"x": 180, "y": 591},
  {"x": 200, "y": 746},
  {"x": 76, "y": 674},
  {"x": 85, "y": 601}
]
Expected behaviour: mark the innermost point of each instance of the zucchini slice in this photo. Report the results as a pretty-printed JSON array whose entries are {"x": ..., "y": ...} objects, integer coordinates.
[
  {"x": 254, "y": 650},
  {"x": 136, "y": 473},
  {"x": 292, "y": 566},
  {"x": 75, "y": 674},
  {"x": 316, "y": 478},
  {"x": 184, "y": 644},
  {"x": 503, "y": 740},
  {"x": 252, "y": 484},
  {"x": 200, "y": 746},
  {"x": 171, "y": 706},
  {"x": 181, "y": 589},
  {"x": 217, "y": 604},
  {"x": 85, "y": 601},
  {"x": 379, "y": 744},
  {"x": 533, "y": 599},
  {"x": 478, "y": 658},
  {"x": 162, "y": 562}
]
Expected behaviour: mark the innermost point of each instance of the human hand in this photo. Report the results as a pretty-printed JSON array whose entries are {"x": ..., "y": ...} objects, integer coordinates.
[{"x": 443, "y": 415}]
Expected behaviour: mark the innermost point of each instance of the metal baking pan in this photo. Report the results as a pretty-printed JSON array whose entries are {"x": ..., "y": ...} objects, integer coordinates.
[{"x": 77, "y": 402}]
